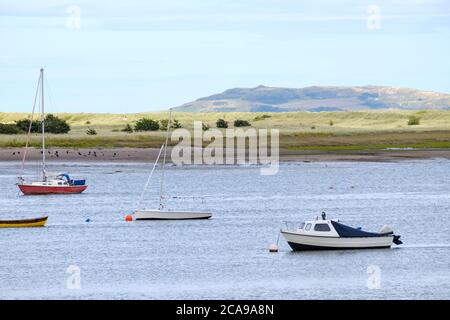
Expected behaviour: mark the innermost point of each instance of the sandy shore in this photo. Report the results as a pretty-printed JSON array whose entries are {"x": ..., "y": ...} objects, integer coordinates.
[{"x": 147, "y": 155}]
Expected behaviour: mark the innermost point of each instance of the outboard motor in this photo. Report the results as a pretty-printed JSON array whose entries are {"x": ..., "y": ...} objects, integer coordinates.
[{"x": 397, "y": 240}]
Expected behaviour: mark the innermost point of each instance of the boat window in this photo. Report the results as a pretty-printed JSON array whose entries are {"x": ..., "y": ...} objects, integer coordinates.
[
  {"x": 60, "y": 183},
  {"x": 308, "y": 226},
  {"x": 301, "y": 226},
  {"x": 321, "y": 227}
]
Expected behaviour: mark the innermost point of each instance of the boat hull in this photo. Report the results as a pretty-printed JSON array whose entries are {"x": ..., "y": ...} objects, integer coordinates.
[
  {"x": 42, "y": 190},
  {"x": 299, "y": 242},
  {"x": 24, "y": 223},
  {"x": 170, "y": 215}
]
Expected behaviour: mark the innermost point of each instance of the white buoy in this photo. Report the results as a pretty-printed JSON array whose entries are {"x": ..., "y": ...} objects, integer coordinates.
[{"x": 273, "y": 248}]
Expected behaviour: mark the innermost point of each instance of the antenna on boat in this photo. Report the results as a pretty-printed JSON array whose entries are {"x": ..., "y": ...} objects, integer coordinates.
[{"x": 169, "y": 124}]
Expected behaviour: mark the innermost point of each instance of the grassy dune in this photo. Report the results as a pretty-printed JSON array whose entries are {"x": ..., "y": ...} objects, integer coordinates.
[{"x": 298, "y": 130}]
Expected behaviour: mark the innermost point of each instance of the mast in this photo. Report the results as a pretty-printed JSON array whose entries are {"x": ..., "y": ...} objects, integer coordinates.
[
  {"x": 36, "y": 96},
  {"x": 44, "y": 176},
  {"x": 169, "y": 124}
]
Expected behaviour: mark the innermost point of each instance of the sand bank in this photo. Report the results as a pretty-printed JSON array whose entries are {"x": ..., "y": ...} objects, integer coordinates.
[{"x": 148, "y": 155}]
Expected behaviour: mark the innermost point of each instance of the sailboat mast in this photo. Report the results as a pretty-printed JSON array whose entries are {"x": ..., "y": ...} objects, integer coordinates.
[
  {"x": 44, "y": 177},
  {"x": 169, "y": 124}
]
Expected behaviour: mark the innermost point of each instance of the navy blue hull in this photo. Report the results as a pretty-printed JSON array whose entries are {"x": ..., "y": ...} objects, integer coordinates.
[{"x": 305, "y": 247}]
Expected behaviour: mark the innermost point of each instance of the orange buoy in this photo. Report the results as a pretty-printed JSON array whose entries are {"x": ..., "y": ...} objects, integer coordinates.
[
  {"x": 273, "y": 248},
  {"x": 129, "y": 217}
]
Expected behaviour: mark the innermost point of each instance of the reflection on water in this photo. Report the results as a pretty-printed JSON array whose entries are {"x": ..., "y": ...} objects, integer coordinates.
[{"x": 227, "y": 256}]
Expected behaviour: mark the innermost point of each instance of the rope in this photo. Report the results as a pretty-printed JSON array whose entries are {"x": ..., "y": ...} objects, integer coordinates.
[
  {"x": 169, "y": 124},
  {"x": 29, "y": 127},
  {"x": 52, "y": 108},
  {"x": 278, "y": 239},
  {"x": 149, "y": 178}
]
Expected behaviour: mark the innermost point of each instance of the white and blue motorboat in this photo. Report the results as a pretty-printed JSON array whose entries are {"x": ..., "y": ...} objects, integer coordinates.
[{"x": 331, "y": 234}]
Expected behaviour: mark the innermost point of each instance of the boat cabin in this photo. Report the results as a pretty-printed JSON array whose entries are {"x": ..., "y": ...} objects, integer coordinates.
[{"x": 323, "y": 228}]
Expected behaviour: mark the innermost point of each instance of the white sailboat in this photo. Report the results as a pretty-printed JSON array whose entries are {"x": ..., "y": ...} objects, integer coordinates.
[{"x": 161, "y": 213}]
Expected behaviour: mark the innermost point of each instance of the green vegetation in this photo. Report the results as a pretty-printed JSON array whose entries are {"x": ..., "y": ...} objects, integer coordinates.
[
  {"x": 331, "y": 123},
  {"x": 9, "y": 129},
  {"x": 176, "y": 124},
  {"x": 24, "y": 124},
  {"x": 127, "y": 128},
  {"x": 164, "y": 122},
  {"x": 91, "y": 132},
  {"x": 413, "y": 121},
  {"x": 146, "y": 124},
  {"x": 56, "y": 125},
  {"x": 241, "y": 123},
  {"x": 221, "y": 123},
  {"x": 205, "y": 127},
  {"x": 53, "y": 124},
  {"x": 262, "y": 117},
  {"x": 350, "y": 131}
]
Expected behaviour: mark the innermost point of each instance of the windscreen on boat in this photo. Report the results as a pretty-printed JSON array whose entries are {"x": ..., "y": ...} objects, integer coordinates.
[
  {"x": 64, "y": 175},
  {"x": 349, "y": 232}
]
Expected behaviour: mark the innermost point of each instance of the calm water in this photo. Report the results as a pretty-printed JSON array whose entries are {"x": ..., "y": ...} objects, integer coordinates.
[{"x": 227, "y": 256}]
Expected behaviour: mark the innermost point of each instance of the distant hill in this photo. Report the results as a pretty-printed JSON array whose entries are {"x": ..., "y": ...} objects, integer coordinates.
[{"x": 318, "y": 98}]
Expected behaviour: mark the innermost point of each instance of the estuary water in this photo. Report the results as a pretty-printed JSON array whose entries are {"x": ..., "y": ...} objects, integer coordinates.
[{"x": 227, "y": 256}]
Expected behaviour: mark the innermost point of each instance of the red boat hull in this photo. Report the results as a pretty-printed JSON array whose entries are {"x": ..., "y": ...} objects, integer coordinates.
[{"x": 36, "y": 190}]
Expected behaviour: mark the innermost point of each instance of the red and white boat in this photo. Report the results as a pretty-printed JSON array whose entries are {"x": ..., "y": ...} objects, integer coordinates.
[
  {"x": 57, "y": 185},
  {"x": 60, "y": 184}
]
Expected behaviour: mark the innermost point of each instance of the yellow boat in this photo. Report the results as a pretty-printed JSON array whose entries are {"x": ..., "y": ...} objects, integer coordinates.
[{"x": 23, "y": 223}]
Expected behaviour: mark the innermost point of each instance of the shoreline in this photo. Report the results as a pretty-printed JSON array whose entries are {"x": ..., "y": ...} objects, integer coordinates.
[{"x": 285, "y": 156}]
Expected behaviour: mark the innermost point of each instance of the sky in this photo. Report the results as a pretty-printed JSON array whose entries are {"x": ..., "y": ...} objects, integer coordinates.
[{"x": 137, "y": 56}]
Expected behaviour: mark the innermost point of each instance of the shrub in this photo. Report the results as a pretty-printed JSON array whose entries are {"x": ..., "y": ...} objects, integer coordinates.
[
  {"x": 176, "y": 124},
  {"x": 331, "y": 123},
  {"x": 53, "y": 124},
  {"x": 220, "y": 123},
  {"x": 24, "y": 124},
  {"x": 313, "y": 128},
  {"x": 127, "y": 128},
  {"x": 241, "y": 123},
  {"x": 262, "y": 117},
  {"x": 146, "y": 124},
  {"x": 91, "y": 132},
  {"x": 9, "y": 129},
  {"x": 413, "y": 121},
  {"x": 87, "y": 122},
  {"x": 205, "y": 127},
  {"x": 163, "y": 124}
]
